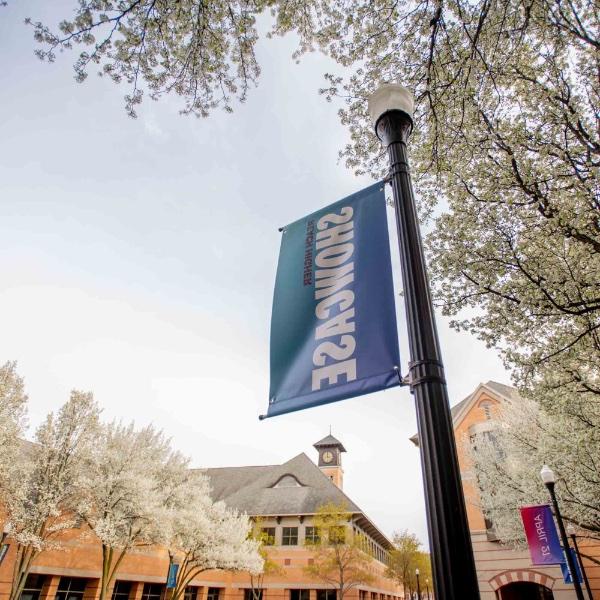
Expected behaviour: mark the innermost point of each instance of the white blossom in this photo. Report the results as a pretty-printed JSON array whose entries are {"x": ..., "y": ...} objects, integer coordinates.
[
  {"x": 507, "y": 463},
  {"x": 207, "y": 535},
  {"x": 48, "y": 480},
  {"x": 13, "y": 406}
]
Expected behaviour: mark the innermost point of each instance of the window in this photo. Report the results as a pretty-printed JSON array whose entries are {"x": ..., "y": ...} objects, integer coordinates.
[
  {"x": 362, "y": 595},
  {"x": 213, "y": 594},
  {"x": 299, "y": 594},
  {"x": 33, "y": 587},
  {"x": 250, "y": 594},
  {"x": 326, "y": 594},
  {"x": 311, "y": 535},
  {"x": 121, "y": 590},
  {"x": 288, "y": 481},
  {"x": 190, "y": 593},
  {"x": 267, "y": 535},
  {"x": 337, "y": 534},
  {"x": 289, "y": 536},
  {"x": 152, "y": 591},
  {"x": 486, "y": 405},
  {"x": 70, "y": 588}
]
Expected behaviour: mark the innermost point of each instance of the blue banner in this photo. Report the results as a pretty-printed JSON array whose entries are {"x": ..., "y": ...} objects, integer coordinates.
[
  {"x": 566, "y": 572},
  {"x": 172, "y": 576},
  {"x": 333, "y": 327}
]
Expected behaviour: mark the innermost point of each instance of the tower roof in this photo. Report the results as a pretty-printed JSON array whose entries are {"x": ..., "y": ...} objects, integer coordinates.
[{"x": 329, "y": 442}]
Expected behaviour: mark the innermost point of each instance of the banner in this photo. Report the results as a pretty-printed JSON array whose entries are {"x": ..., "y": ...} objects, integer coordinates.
[
  {"x": 172, "y": 576},
  {"x": 566, "y": 572},
  {"x": 544, "y": 546},
  {"x": 333, "y": 326}
]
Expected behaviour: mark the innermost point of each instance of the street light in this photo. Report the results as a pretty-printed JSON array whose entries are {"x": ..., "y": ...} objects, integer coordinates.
[
  {"x": 427, "y": 587},
  {"x": 418, "y": 585},
  {"x": 549, "y": 480},
  {"x": 454, "y": 576},
  {"x": 573, "y": 536}
]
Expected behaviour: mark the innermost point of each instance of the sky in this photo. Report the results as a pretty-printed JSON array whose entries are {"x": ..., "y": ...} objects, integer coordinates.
[{"x": 138, "y": 258}]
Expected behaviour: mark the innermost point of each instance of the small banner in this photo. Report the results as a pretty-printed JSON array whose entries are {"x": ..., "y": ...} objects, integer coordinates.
[
  {"x": 333, "y": 326},
  {"x": 566, "y": 572},
  {"x": 544, "y": 546},
  {"x": 172, "y": 576}
]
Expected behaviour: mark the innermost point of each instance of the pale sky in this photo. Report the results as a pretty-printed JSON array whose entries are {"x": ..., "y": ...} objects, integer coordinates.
[{"x": 138, "y": 257}]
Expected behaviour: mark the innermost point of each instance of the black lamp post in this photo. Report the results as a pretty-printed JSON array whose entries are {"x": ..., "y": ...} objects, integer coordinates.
[
  {"x": 454, "y": 574},
  {"x": 547, "y": 476},
  {"x": 427, "y": 588},
  {"x": 418, "y": 585},
  {"x": 573, "y": 536}
]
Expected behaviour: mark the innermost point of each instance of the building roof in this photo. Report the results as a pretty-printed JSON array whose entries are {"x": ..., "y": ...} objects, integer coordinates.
[
  {"x": 457, "y": 409},
  {"x": 329, "y": 441},
  {"x": 253, "y": 490}
]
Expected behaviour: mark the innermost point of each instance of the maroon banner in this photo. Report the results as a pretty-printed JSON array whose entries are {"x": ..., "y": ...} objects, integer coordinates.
[{"x": 542, "y": 538}]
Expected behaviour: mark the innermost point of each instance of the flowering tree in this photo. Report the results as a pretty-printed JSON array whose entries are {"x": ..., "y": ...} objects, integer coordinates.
[
  {"x": 13, "y": 405},
  {"x": 270, "y": 566},
  {"x": 405, "y": 558},
  {"x": 51, "y": 474},
  {"x": 133, "y": 481},
  {"x": 206, "y": 536},
  {"x": 340, "y": 558},
  {"x": 507, "y": 463},
  {"x": 506, "y": 134}
]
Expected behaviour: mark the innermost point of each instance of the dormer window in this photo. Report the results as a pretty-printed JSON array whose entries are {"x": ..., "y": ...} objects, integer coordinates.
[{"x": 287, "y": 481}]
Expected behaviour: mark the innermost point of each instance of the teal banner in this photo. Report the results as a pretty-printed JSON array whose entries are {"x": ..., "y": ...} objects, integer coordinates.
[{"x": 333, "y": 326}]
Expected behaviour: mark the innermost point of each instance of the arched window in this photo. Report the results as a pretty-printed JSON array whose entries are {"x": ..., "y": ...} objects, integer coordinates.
[
  {"x": 287, "y": 481},
  {"x": 486, "y": 406}
]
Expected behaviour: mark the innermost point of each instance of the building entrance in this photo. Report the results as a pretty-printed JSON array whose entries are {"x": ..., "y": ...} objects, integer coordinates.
[{"x": 524, "y": 590}]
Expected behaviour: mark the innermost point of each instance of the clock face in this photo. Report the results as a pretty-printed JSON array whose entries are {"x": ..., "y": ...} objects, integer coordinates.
[{"x": 327, "y": 456}]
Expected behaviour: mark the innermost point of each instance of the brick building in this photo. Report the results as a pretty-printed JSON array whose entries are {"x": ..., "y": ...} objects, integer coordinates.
[
  {"x": 504, "y": 573},
  {"x": 285, "y": 497}
]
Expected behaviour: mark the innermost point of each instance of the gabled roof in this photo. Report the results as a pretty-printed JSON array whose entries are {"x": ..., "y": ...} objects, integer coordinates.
[
  {"x": 250, "y": 490},
  {"x": 461, "y": 408},
  {"x": 329, "y": 441}
]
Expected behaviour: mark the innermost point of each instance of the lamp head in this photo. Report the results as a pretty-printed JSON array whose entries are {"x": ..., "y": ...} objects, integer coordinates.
[
  {"x": 547, "y": 475},
  {"x": 390, "y": 97},
  {"x": 417, "y": 572}
]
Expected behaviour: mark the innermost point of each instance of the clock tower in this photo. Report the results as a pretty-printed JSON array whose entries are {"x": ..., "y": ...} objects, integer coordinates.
[{"x": 330, "y": 459}]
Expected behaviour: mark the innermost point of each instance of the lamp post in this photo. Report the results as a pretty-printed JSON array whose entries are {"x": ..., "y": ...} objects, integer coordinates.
[
  {"x": 547, "y": 476},
  {"x": 427, "y": 587},
  {"x": 454, "y": 576},
  {"x": 573, "y": 536},
  {"x": 418, "y": 585}
]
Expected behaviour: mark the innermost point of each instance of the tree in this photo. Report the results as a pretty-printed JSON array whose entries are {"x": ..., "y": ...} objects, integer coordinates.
[
  {"x": 506, "y": 145},
  {"x": 340, "y": 557},
  {"x": 134, "y": 480},
  {"x": 13, "y": 406},
  {"x": 206, "y": 536},
  {"x": 270, "y": 566},
  {"x": 51, "y": 476},
  {"x": 506, "y": 136},
  {"x": 507, "y": 463},
  {"x": 405, "y": 558}
]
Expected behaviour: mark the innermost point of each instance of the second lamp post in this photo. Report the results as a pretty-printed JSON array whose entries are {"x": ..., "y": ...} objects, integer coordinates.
[{"x": 547, "y": 476}]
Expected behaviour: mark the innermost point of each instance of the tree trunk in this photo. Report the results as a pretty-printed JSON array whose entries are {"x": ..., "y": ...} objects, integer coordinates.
[{"x": 24, "y": 558}]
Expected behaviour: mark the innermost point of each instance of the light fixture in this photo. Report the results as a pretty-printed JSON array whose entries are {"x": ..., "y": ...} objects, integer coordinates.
[
  {"x": 547, "y": 475},
  {"x": 388, "y": 97}
]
